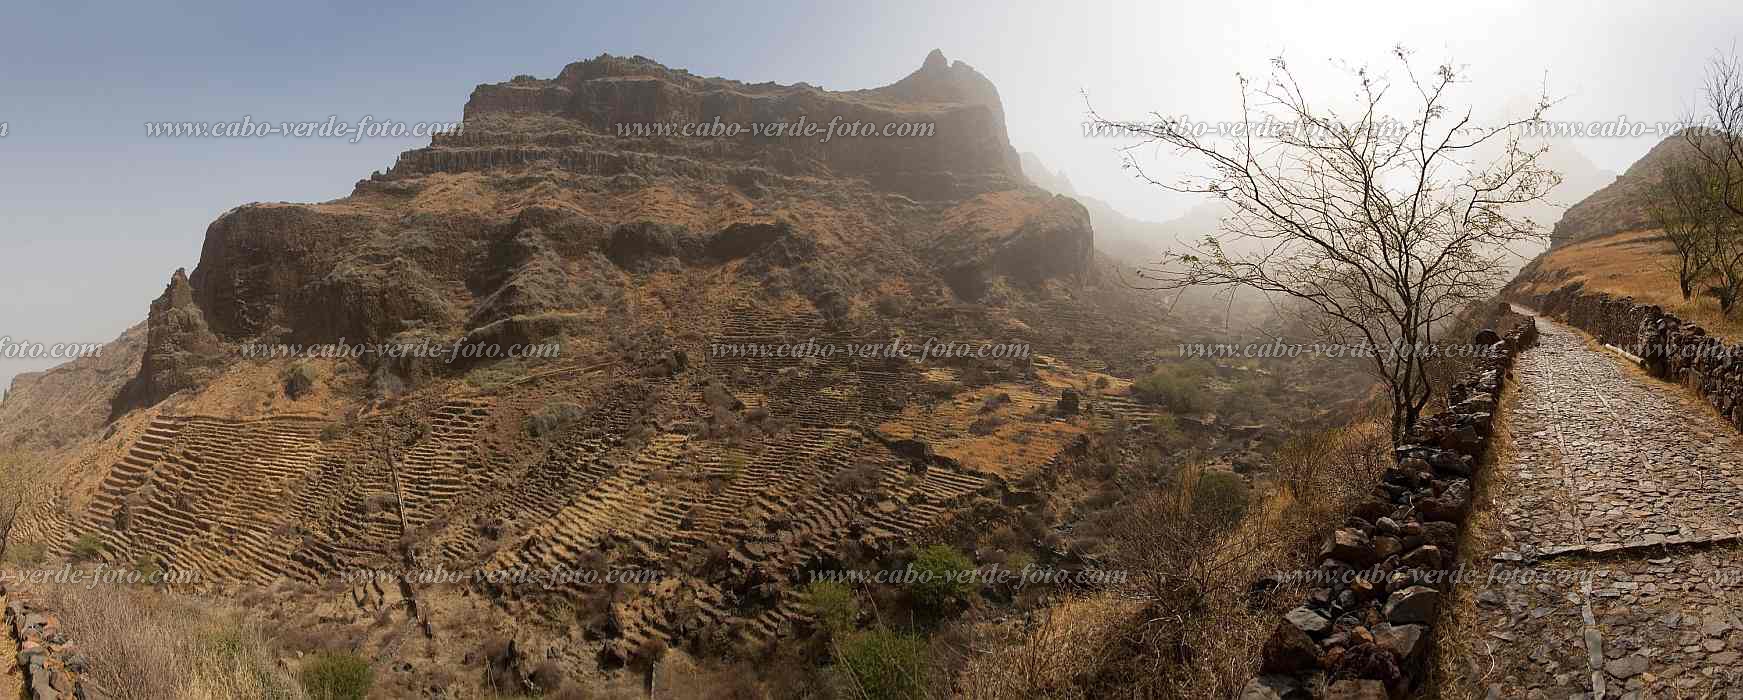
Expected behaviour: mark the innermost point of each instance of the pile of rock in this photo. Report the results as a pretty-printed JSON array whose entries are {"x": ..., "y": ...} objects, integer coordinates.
[
  {"x": 50, "y": 662},
  {"x": 1668, "y": 347},
  {"x": 1364, "y": 630}
]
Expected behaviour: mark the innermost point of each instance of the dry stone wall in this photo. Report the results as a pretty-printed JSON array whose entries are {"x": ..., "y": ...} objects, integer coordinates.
[
  {"x": 1366, "y": 626},
  {"x": 1669, "y": 347},
  {"x": 51, "y": 663}
]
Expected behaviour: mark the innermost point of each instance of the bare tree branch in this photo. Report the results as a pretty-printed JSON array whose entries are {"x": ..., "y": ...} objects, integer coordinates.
[{"x": 1378, "y": 227}]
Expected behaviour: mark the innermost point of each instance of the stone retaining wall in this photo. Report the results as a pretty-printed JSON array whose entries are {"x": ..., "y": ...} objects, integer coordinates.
[
  {"x": 1365, "y": 629},
  {"x": 51, "y": 664},
  {"x": 1669, "y": 348}
]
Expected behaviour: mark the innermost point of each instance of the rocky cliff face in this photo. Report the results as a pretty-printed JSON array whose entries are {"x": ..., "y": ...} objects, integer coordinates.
[
  {"x": 536, "y": 219},
  {"x": 637, "y": 446},
  {"x": 181, "y": 352},
  {"x": 609, "y": 94}
]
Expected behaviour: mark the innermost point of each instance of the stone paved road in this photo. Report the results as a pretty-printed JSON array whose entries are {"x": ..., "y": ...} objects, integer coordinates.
[{"x": 1605, "y": 564}]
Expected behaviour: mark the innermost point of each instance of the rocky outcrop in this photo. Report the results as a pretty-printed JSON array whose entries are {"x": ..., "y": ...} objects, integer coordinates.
[
  {"x": 638, "y": 257},
  {"x": 181, "y": 352},
  {"x": 434, "y": 249},
  {"x": 316, "y": 274},
  {"x": 1052, "y": 239},
  {"x": 958, "y": 105},
  {"x": 1668, "y": 347},
  {"x": 1366, "y": 626},
  {"x": 51, "y": 663}
]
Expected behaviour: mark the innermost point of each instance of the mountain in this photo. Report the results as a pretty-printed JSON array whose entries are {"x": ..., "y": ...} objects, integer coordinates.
[
  {"x": 1608, "y": 243},
  {"x": 1122, "y": 236},
  {"x": 673, "y": 431},
  {"x": 1622, "y": 204},
  {"x": 50, "y": 410}
]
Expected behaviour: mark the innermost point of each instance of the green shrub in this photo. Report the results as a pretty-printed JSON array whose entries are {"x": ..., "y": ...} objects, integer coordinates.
[
  {"x": 299, "y": 379},
  {"x": 833, "y": 605},
  {"x": 87, "y": 548},
  {"x": 880, "y": 665},
  {"x": 336, "y": 676},
  {"x": 942, "y": 576},
  {"x": 1167, "y": 429},
  {"x": 1174, "y": 388},
  {"x": 1221, "y": 498},
  {"x": 554, "y": 419},
  {"x": 25, "y": 553},
  {"x": 147, "y": 568}
]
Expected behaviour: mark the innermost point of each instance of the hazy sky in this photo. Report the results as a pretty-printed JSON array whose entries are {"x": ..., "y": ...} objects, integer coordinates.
[{"x": 96, "y": 216}]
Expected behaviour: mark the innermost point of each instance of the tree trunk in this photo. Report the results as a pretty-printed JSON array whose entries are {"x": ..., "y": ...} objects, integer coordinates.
[{"x": 1401, "y": 419}]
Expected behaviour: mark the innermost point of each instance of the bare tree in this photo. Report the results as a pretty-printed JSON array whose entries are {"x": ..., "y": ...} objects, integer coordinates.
[
  {"x": 1714, "y": 177},
  {"x": 1725, "y": 230},
  {"x": 1380, "y": 228},
  {"x": 1683, "y": 206},
  {"x": 1718, "y": 142}
]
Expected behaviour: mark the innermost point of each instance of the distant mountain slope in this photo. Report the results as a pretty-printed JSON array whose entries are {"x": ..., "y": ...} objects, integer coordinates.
[
  {"x": 1122, "y": 236},
  {"x": 1622, "y": 204},
  {"x": 44, "y": 411}
]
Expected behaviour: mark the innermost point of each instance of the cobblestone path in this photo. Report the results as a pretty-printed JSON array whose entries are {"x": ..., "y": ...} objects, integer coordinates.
[{"x": 1604, "y": 561}]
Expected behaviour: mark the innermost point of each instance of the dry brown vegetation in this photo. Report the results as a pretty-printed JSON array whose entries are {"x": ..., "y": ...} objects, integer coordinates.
[
  {"x": 149, "y": 644},
  {"x": 1202, "y": 606},
  {"x": 1639, "y": 264},
  {"x": 1457, "y": 668}
]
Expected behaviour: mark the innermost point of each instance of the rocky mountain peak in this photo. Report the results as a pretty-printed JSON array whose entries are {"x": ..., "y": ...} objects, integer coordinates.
[
  {"x": 181, "y": 352},
  {"x": 938, "y": 133},
  {"x": 935, "y": 61}
]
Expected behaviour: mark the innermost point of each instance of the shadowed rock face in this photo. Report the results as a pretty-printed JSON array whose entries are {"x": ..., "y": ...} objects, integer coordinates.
[
  {"x": 1049, "y": 243},
  {"x": 181, "y": 352}
]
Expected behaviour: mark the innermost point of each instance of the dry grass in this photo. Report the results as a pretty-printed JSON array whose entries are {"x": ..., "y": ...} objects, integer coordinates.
[
  {"x": 1637, "y": 264},
  {"x": 1197, "y": 639},
  {"x": 1069, "y": 643},
  {"x": 149, "y": 644},
  {"x": 1283, "y": 534},
  {"x": 1013, "y": 449},
  {"x": 1462, "y": 665}
]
